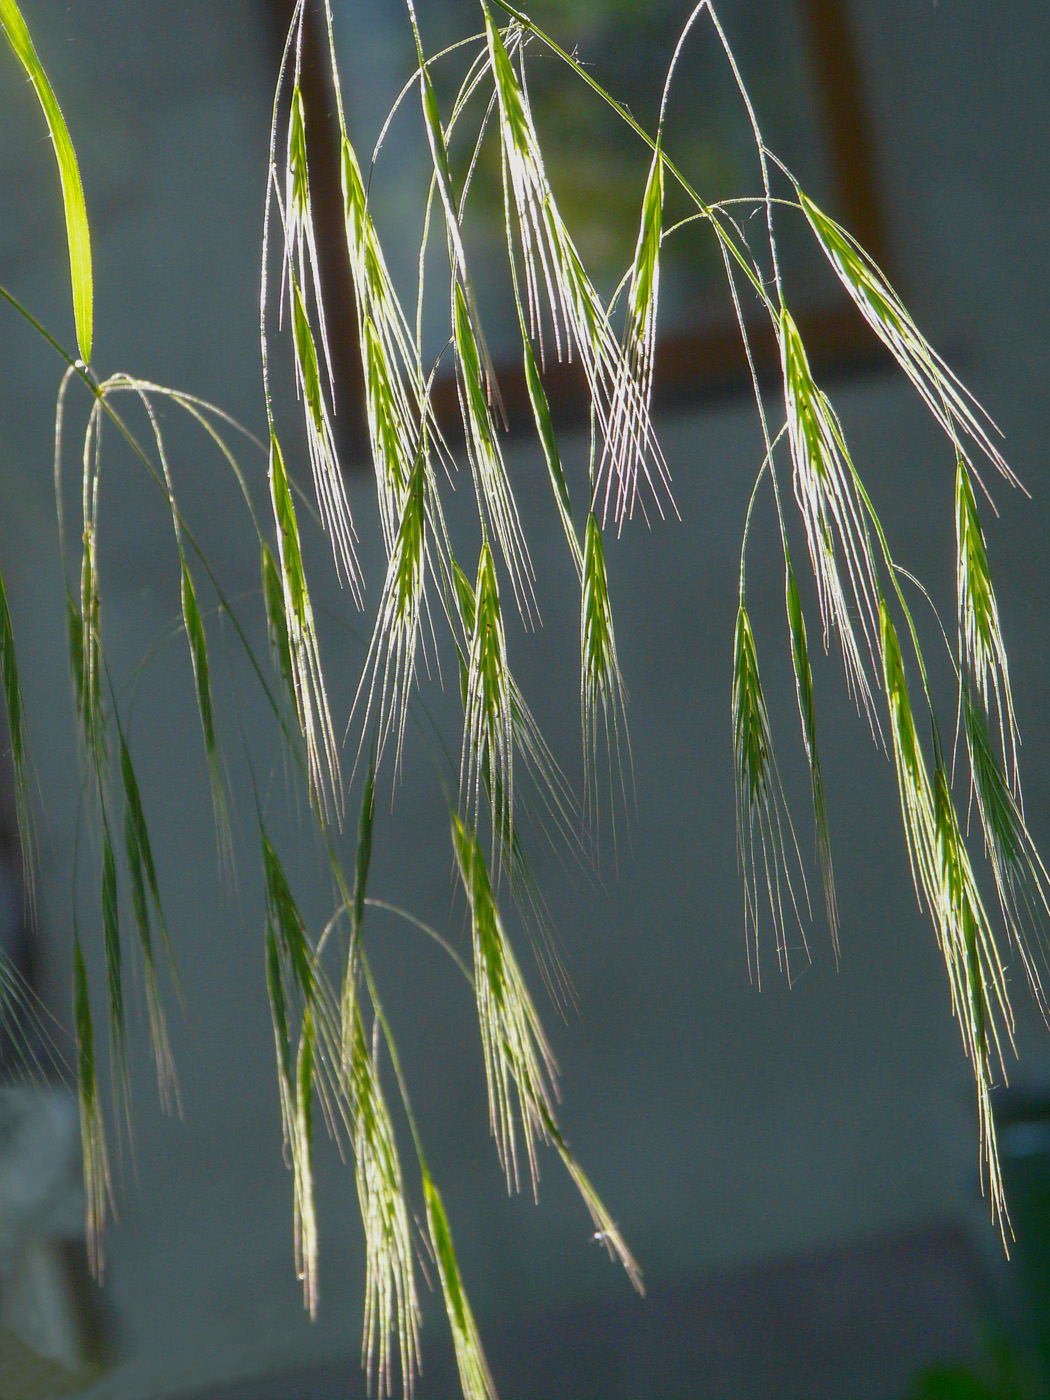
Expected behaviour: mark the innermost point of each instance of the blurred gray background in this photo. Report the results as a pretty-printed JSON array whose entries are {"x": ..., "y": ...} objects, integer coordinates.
[{"x": 759, "y": 1148}]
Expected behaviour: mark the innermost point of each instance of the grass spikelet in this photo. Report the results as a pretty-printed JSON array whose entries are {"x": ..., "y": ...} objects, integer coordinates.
[
  {"x": 284, "y": 918},
  {"x": 549, "y": 443},
  {"x": 1021, "y": 880},
  {"x": 529, "y": 744},
  {"x": 302, "y": 1158},
  {"x": 114, "y": 968},
  {"x": 300, "y": 274},
  {"x": 348, "y": 1000},
  {"x": 474, "y": 1376},
  {"x": 514, "y": 1047},
  {"x": 980, "y": 639},
  {"x": 389, "y": 672},
  {"x": 946, "y": 398},
  {"x": 324, "y": 464},
  {"x": 808, "y": 716},
  {"x": 276, "y": 622},
  {"x": 555, "y": 274},
  {"x": 634, "y": 387},
  {"x": 601, "y": 685},
  {"x": 198, "y": 645},
  {"x": 18, "y": 738},
  {"x": 391, "y": 1304},
  {"x": 288, "y": 1093},
  {"x": 311, "y": 699},
  {"x": 78, "y": 235},
  {"x": 97, "y": 1182},
  {"x": 499, "y": 511},
  {"x": 392, "y": 395},
  {"x": 760, "y": 812},
  {"x": 836, "y": 534},
  {"x": 488, "y": 720},
  {"x": 944, "y": 880},
  {"x": 144, "y": 891},
  {"x": 291, "y": 966}
]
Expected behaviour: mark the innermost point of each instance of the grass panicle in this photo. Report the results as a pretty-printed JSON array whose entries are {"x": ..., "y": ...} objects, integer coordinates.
[
  {"x": 78, "y": 233},
  {"x": 311, "y": 697},
  {"x": 514, "y": 1047},
  {"x": 836, "y": 533},
  {"x": 980, "y": 638},
  {"x": 808, "y": 716},
  {"x": 950, "y": 403},
  {"x": 98, "y": 1190},
  {"x": 763, "y": 826},
  {"x": 555, "y": 278},
  {"x": 475, "y": 1378}
]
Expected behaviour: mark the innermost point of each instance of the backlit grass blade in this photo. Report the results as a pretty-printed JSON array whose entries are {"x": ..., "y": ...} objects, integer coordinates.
[
  {"x": 97, "y": 1182},
  {"x": 514, "y": 1047},
  {"x": 980, "y": 638},
  {"x": 808, "y": 716},
  {"x": 145, "y": 891},
  {"x": 77, "y": 232},
  {"x": 474, "y": 1376},
  {"x": 311, "y": 698},
  {"x": 761, "y": 814},
  {"x": 198, "y": 645},
  {"x": 18, "y": 738},
  {"x": 946, "y": 398},
  {"x": 836, "y": 532},
  {"x": 391, "y": 1304}
]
